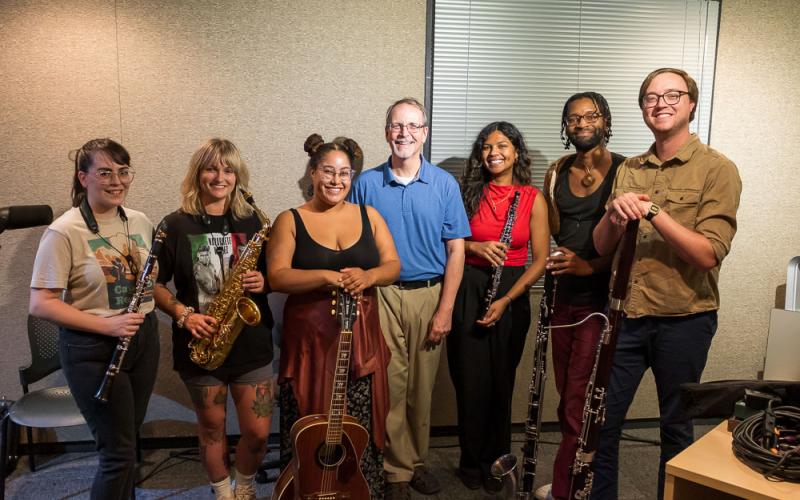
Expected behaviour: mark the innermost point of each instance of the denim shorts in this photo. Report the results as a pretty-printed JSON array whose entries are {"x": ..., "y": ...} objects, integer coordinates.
[{"x": 258, "y": 375}]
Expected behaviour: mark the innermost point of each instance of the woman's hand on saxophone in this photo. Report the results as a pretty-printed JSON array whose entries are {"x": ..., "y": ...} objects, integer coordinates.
[
  {"x": 124, "y": 325},
  {"x": 200, "y": 325},
  {"x": 253, "y": 282}
]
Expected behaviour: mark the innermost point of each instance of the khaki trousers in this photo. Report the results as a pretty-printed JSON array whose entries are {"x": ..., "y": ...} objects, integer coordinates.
[{"x": 405, "y": 315}]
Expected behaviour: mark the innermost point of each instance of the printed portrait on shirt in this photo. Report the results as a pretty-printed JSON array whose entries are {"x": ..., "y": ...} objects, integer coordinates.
[
  {"x": 121, "y": 264},
  {"x": 213, "y": 257}
]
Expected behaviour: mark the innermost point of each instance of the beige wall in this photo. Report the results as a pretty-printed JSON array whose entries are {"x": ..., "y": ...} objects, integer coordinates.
[{"x": 162, "y": 76}]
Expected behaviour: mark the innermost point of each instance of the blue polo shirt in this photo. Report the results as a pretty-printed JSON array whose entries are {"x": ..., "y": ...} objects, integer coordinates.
[{"x": 421, "y": 216}]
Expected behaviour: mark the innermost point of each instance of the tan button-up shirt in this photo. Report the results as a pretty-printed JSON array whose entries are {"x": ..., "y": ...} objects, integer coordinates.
[{"x": 700, "y": 189}]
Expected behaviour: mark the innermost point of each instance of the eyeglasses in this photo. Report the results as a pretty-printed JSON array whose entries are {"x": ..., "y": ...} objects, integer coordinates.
[
  {"x": 329, "y": 174},
  {"x": 672, "y": 97},
  {"x": 106, "y": 175},
  {"x": 592, "y": 117},
  {"x": 411, "y": 127}
]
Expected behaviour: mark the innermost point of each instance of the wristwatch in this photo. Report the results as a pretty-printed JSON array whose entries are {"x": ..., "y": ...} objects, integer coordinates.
[{"x": 654, "y": 210}]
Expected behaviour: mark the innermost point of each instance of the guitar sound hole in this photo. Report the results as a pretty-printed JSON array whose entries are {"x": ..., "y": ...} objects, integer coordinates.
[{"x": 330, "y": 455}]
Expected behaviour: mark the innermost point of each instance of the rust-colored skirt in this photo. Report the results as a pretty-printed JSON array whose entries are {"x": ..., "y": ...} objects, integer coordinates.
[{"x": 308, "y": 354}]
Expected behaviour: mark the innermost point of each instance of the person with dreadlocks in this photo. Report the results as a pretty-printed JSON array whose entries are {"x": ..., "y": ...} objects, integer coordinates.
[{"x": 576, "y": 188}]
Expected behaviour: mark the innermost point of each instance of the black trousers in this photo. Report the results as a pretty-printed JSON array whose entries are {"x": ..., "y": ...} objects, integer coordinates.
[
  {"x": 483, "y": 365},
  {"x": 84, "y": 359}
]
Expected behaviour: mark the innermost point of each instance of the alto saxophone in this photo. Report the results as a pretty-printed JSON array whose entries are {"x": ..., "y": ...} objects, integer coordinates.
[{"x": 231, "y": 307}]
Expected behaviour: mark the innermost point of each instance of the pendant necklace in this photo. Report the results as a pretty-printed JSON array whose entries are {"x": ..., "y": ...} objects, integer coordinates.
[
  {"x": 499, "y": 202},
  {"x": 588, "y": 179}
]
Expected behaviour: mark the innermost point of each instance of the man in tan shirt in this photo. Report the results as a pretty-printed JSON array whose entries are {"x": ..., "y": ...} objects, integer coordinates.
[{"x": 686, "y": 195}]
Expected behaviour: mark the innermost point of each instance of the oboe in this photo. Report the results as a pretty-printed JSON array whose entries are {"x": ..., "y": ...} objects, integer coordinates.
[
  {"x": 104, "y": 391},
  {"x": 505, "y": 238},
  {"x": 594, "y": 409}
]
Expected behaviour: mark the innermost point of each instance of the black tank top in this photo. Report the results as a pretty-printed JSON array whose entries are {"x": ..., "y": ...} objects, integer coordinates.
[
  {"x": 308, "y": 254},
  {"x": 579, "y": 216}
]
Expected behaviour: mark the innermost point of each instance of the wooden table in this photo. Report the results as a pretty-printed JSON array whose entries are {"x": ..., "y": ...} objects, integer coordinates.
[{"x": 708, "y": 470}]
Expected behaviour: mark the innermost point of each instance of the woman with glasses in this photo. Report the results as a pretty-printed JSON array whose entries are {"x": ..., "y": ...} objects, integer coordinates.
[
  {"x": 324, "y": 245},
  {"x": 487, "y": 340},
  {"x": 205, "y": 238},
  {"x": 94, "y": 252}
]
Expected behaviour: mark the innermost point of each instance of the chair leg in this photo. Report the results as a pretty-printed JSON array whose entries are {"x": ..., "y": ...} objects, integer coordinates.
[
  {"x": 31, "y": 460},
  {"x": 4, "y": 450},
  {"x": 138, "y": 448}
]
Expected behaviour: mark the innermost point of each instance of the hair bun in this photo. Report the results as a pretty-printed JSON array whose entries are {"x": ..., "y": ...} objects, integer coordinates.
[
  {"x": 355, "y": 151},
  {"x": 313, "y": 143}
]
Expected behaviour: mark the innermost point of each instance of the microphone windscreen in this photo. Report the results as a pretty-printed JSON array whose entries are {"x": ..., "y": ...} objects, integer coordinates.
[{"x": 22, "y": 216}]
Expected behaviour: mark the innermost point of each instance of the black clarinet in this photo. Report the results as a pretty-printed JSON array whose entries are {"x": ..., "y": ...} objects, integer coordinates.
[
  {"x": 505, "y": 238},
  {"x": 594, "y": 409},
  {"x": 104, "y": 391}
]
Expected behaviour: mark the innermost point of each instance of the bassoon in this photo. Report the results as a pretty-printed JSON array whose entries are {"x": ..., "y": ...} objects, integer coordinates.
[
  {"x": 518, "y": 480},
  {"x": 594, "y": 409},
  {"x": 104, "y": 391}
]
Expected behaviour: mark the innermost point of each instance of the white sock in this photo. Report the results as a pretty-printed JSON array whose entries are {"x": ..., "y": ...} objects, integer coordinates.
[
  {"x": 243, "y": 479},
  {"x": 222, "y": 489}
]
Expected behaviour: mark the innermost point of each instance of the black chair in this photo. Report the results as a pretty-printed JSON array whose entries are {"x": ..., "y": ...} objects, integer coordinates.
[{"x": 44, "y": 408}]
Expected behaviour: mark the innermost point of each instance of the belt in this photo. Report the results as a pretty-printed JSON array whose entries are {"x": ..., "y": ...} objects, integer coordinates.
[{"x": 413, "y": 285}]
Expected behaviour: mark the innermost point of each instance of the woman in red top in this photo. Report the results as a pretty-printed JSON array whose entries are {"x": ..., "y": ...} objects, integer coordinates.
[{"x": 485, "y": 346}]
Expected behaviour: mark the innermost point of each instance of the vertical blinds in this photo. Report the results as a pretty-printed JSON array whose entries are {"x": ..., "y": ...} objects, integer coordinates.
[{"x": 519, "y": 61}]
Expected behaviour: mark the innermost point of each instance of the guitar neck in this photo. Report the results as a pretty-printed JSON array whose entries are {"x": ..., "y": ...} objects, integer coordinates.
[{"x": 339, "y": 394}]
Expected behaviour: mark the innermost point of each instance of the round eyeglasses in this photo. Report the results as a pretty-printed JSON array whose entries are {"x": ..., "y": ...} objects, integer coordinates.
[
  {"x": 106, "y": 175},
  {"x": 329, "y": 174}
]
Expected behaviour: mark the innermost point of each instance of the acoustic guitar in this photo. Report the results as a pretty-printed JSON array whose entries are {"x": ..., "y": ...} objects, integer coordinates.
[{"x": 328, "y": 447}]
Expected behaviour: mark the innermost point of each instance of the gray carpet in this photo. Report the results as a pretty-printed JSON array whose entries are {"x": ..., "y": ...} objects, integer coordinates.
[{"x": 177, "y": 474}]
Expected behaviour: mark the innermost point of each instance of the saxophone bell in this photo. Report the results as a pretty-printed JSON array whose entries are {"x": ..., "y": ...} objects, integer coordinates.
[{"x": 248, "y": 311}]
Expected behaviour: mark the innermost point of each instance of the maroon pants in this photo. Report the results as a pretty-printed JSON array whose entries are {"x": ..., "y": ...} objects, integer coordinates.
[{"x": 574, "y": 352}]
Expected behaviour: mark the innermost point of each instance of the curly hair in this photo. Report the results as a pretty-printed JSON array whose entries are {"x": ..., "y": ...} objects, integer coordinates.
[
  {"x": 602, "y": 107},
  {"x": 476, "y": 177}
]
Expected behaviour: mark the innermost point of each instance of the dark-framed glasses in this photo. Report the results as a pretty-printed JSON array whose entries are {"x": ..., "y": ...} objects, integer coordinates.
[
  {"x": 106, "y": 175},
  {"x": 330, "y": 174},
  {"x": 672, "y": 97},
  {"x": 592, "y": 117},
  {"x": 411, "y": 127}
]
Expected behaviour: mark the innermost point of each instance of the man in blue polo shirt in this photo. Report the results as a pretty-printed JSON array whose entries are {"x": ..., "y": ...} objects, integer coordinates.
[{"x": 422, "y": 206}]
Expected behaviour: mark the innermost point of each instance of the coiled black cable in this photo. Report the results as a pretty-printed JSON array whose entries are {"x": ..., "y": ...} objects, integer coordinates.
[{"x": 779, "y": 462}]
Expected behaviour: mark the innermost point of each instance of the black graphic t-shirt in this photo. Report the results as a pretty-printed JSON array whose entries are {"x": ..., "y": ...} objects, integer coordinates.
[{"x": 198, "y": 257}]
